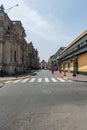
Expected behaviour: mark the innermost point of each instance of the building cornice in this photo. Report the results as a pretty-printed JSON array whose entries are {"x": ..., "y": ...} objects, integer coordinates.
[{"x": 74, "y": 41}]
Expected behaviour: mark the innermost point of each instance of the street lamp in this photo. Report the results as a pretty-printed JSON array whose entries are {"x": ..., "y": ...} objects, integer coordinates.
[{"x": 7, "y": 10}]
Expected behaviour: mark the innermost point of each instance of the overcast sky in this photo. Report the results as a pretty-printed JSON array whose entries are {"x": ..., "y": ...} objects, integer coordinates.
[{"x": 49, "y": 24}]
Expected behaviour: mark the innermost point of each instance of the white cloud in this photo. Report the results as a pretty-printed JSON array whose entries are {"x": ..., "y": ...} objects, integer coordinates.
[
  {"x": 50, "y": 30},
  {"x": 34, "y": 22}
]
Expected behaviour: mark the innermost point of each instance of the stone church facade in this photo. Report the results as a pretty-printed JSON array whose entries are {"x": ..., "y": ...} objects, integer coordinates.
[{"x": 15, "y": 53}]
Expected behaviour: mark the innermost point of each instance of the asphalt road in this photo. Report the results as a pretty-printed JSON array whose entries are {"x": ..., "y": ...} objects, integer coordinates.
[{"x": 43, "y": 102}]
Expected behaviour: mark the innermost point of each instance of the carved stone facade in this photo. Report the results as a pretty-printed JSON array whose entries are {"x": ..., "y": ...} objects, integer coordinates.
[
  {"x": 33, "y": 59},
  {"x": 15, "y": 53},
  {"x": 43, "y": 64}
]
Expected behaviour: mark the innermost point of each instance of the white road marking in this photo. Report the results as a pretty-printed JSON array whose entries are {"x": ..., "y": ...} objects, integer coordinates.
[
  {"x": 16, "y": 81},
  {"x": 32, "y": 80},
  {"x": 53, "y": 79},
  {"x": 62, "y": 80},
  {"x": 7, "y": 81},
  {"x": 40, "y": 79},
  {"x": 69, "y": 80},
  {"x": 46, "y": 80},
  {"x": 25, "y": 80}
]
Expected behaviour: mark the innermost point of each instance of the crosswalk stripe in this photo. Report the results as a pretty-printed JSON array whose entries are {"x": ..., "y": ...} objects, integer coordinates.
[
  {"x": 62, "y": 80},
  {"x": 32, "y": 80},
  {"x": 7, "y": 81},
  {"x": 53, "y": 79},
  {"x": 16, "y": 81},
  {"x": 46, "y": 80},
  {"x": 69, "y": 80},
  {"x": 25, "y": 80},
  {"x": 39, "y": 80}
]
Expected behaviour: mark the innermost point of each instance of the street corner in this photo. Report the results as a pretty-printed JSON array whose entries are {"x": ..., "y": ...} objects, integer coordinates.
[
  {"x": 6, "y": 79},
  {"x": 14, "y": 78}
]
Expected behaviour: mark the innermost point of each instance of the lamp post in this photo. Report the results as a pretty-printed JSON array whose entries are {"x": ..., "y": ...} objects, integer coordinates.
[{"x": 7, "y": 10}]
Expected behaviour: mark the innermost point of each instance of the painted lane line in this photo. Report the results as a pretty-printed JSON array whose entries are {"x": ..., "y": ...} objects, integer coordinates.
[
  {"x": 7, "y": 81},
  {"x": 25, "y": 80},
  {"x": 69, "y": 80},
  {"x": 46, "y": 80},
  {"x": 62, "y": 80},
  {"x": 53, "y": 79},
  {"x": 16, "y": 81},
  {"x": 40, "y": 79},
  {"x": 32, "y": 80}
]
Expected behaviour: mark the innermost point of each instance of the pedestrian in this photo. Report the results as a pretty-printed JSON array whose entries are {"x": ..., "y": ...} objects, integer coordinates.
[{"x": 52, "y": 70}]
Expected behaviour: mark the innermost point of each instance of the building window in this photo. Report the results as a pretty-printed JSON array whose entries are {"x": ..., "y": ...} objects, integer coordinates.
[
  {"x": 8, "y": 28},
  {"x": 78, "y": 46}
]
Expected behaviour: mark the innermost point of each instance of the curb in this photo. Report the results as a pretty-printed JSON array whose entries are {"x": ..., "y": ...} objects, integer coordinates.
[
  {"x": 77, "y": 80},
  {"x": 3, "y": 80}
]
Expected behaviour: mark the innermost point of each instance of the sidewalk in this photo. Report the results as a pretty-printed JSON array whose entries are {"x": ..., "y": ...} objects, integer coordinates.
[
  {"x": 19, "y": 76},
  {"x": 78, "y": 77}
]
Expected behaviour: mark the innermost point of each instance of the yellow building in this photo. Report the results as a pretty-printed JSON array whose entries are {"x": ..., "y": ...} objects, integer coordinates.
[{"x": 73, "y": 58}]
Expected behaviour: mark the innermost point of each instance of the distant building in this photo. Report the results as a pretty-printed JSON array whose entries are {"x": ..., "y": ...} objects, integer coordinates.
[
  {"x": 33, "y": 59},
  {"x": 54, "y": 59},
  {"x": 43, "y": 64}
]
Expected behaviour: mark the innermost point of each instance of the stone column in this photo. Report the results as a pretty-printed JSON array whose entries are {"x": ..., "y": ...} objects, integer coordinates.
[{"x": 1, "y": 53}]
